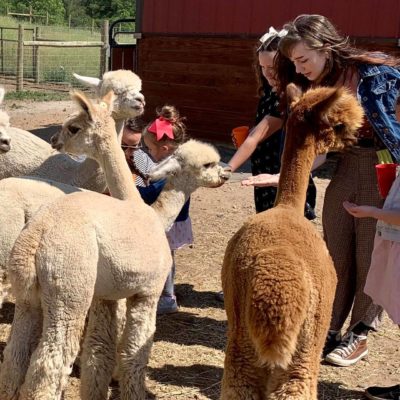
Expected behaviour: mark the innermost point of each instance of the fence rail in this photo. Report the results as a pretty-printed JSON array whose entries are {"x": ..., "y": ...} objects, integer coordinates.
[{"x": 34, "y": 53}]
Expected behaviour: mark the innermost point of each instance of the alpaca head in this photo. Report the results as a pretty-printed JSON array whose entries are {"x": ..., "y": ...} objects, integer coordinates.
[
  {"x": 195, "y": 163},
  {"x": 5, "y": 138},
  {"x": 328, "y": 116},
  {"x": 126, "y": 85},
  {"x": 89, "y": 130}
]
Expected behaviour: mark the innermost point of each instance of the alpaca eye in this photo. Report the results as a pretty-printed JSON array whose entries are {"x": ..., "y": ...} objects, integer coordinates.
[
  {"x": 339, "y": 128},
  {"x": 308, "y": 115},
  {"x": 74, "y": 130},
  {"x": 209, "y": 165}
]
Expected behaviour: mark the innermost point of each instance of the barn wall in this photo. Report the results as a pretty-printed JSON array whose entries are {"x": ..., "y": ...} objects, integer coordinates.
[
  {"x": 362, "y": 18},
  {"x": 210, "y": 80}
]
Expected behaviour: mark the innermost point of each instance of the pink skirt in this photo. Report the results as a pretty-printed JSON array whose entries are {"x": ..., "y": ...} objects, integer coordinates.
[
  {"x": 383, "y": 280},
  {"x": 180, "y": 234}
]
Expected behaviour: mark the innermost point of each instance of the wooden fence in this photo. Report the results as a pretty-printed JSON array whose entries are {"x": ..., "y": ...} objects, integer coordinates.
[{"x": 36, "y": 42}]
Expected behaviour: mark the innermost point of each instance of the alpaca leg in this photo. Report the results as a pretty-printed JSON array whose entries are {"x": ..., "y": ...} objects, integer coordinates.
[
  {"x": 99, "y": 350},
  {"x": 136, "y": 345},
  {"x": 299, "y": 381},
  {"x": 121, "y": 320},
  {"x": 242, "y": 379},
  {"x": 24, "y": 337},
  {"x": 51, "y": 362}
]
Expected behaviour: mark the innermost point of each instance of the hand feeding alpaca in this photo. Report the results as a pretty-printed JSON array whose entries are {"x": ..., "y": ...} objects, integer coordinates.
[
  {"x": 277, "y": 276},
  {"x": 43, "y": 161},
  {"x": 78, "y": 253}
]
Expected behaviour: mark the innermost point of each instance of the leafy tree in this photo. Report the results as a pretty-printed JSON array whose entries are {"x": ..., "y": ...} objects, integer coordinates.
[
  {"x": 55, "y": 8},
  {"x": 111, "y": 9}
]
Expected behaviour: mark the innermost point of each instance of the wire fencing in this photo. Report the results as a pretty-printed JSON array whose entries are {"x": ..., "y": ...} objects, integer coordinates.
[{"x": 47, "y": 56}]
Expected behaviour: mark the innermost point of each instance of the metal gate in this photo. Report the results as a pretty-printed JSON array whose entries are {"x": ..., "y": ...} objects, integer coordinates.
[{"x": 122, "y": 40}]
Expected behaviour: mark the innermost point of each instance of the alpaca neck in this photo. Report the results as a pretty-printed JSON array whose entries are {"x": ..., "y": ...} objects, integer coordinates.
[
  {"x": 295, "y": 171},
  {"x": 171, "y": 200},
  {"x": 89, "y": 175},
  {"x": 119, "y": 127},
  {"x": 118, "y": 175}
]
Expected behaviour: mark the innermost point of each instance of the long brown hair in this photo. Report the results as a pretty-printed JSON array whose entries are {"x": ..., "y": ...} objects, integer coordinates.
[{"x": 318, "y": 33}]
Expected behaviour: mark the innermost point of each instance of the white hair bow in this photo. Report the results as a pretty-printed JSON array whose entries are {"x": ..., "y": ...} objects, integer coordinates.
[{"x": 272, "y": 33}]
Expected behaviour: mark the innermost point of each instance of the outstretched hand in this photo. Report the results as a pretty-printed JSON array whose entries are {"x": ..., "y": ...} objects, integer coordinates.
[
  {"x": 359, "y": 211},
  {"x": 261, "y": 180}
]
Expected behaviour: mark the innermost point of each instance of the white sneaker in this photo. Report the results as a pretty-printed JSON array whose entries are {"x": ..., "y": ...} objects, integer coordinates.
[{"x": 352, "y": 349}]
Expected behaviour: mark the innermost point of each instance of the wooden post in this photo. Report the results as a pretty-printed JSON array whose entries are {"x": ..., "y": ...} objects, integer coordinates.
[
  {"x": 36, "y": 63},
  {"x": 104, "y": 48},
  {"x": 20, "y": 59},
  {"x": 69, "y": 21},
  {"x": 30, "y": 14},
  {"x": 47, "y": 17},
  {"x": 92, "y": 29},
  {"x": 1, "y": 49}
]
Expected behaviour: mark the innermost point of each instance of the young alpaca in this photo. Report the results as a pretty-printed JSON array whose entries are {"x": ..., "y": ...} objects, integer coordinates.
[
  {"x": 78, "y": 253},
  {"x": 45, "y": 162},
  {"x": 277, "y": 276}
]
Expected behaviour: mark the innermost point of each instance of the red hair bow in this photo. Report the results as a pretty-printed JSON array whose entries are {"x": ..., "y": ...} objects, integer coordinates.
[{"x": 161, "y": 127}]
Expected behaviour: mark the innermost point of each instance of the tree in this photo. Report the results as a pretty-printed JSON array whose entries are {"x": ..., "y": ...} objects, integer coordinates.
[
  {"x": 55, "y": 8},
  {"x": 111, "y": 9}
]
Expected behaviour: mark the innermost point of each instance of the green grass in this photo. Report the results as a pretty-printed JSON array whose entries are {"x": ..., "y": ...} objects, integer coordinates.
[
  {"x": 36, "y": 96},
  {"x": 56, "y": 65}
]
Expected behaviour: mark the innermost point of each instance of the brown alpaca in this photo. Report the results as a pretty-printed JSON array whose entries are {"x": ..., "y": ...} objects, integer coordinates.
[{"x": 278, "y": 278}]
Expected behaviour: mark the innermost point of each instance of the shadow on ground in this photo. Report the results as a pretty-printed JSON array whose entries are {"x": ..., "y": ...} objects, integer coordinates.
[
  {"x": 188, "y": 329},
  {"x": 204, "y": 378},
  {"x": 47, "y": 132},
  {"x": 335, "y": 391},
  {"x": 188, "y": 297}
]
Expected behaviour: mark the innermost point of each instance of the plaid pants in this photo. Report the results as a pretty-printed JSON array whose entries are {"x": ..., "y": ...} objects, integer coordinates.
[{"x": 350, "y": 240}]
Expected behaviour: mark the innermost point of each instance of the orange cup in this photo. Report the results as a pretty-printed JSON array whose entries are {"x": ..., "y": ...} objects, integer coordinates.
[
  {"x": 239, "y": 135},
  {"x": 386, "y": 174}
]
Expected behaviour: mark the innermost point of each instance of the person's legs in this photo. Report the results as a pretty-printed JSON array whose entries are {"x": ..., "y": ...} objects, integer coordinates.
[
  {"x": 364, "y": 310},
  {"x": 365, "y": 315},
  {"x": 167, "y": 303},
  {"x": 340, "y": 242}
]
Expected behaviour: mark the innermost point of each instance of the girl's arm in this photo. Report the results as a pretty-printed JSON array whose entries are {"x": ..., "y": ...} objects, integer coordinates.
[
  {"x": 263, "y": 130},
  {"x": 264, "y": 180},
  {"x": 389, "y": 216}
]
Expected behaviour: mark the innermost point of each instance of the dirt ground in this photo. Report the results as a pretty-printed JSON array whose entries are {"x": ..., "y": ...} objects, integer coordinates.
[{"x": 187, "y": 357}]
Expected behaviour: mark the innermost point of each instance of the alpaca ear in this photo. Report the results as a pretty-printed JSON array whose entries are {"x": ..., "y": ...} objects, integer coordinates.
[
  {"x": 167, "y": 167},
  {"x": 108, "y": 99},
  {"x": 87, "y": 80},
  {"x": 2, "y": 94},
  {"x": 84, "y": 103},
  {"x": 325, "y": 102},
  {"x": 293, "y": 93}
]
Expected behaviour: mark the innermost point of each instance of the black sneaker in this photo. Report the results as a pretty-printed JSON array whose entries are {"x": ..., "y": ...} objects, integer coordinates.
[
  {"x": 220, "y": 296},
  {"x": 333, "y": 339},
  {"x": 383, "y": 393}
]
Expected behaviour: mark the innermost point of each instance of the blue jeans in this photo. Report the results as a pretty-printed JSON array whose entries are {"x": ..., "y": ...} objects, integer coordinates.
[{"x": 169, "y": 283}]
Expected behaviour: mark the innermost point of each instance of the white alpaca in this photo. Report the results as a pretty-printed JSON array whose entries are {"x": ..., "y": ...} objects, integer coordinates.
[
  {"x": 89, "y": 250},
  {"x": 33, "y": 156},
  {"x": 5, "y": 138}
]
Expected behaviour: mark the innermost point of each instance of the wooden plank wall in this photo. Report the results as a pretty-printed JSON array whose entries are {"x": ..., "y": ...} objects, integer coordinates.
[{"x": 210, "y": 80}]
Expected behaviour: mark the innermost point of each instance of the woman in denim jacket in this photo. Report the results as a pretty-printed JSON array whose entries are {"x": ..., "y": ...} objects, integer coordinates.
[{"x": 322, "y": 56}]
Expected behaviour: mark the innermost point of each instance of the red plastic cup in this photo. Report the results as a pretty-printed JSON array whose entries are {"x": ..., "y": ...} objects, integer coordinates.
[
  {"x": 239, "y": 135},
  {"x": 386, "y": 174}
]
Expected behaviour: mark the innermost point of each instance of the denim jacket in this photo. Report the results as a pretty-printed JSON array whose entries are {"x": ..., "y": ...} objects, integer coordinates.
[
  {"x": 378, "y": 90},
  {"x": 392, "y": 202}
]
